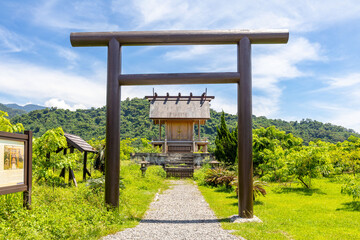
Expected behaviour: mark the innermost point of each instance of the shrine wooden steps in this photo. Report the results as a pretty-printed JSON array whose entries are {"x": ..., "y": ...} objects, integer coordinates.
[{"x": 180, "y": 166}]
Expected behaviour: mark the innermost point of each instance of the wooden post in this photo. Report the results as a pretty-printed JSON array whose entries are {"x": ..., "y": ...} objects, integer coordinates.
[
  {"x": 199, "y": 130},
  {"x": 71, "y": 173},
  {"x": 28, "y": 174},
  {"x": 245, "y": 164},
  {"x": 165, "y": 140},
  {"x": 112, "y": 163},
  {"x": 84, "y": 167},
  {"x": 72, "y": 177},
  {"x": 159, "y": 130},
  {"x": 62, "y": 173}
]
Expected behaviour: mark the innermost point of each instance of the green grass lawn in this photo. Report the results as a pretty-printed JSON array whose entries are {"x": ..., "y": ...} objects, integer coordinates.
[
  {"x": 79, "y": 212},
  {"x": 292, "y": 212}
]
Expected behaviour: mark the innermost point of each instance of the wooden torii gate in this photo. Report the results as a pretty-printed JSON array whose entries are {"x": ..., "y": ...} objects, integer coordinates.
[{"x": 242, "y": 38}]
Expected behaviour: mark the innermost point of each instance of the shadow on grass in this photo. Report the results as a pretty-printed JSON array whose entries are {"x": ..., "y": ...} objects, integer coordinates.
[
  {"x": 256, "y": 202},
  {"x": 353, "y": 206},
  {"x": 201, "y": 221},
  {"x": 299, "y": 190},
  {"x": 224, "y": 189},
  {"x": 233, "y": 196}
]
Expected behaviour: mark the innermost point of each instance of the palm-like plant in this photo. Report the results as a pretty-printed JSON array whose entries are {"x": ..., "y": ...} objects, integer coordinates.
[
  {"x": 258, "y": 187},
  {"x": 219, "y": 177}
]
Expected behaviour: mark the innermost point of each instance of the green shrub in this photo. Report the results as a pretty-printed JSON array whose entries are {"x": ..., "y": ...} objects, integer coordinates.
[
  {"x": 258, "y": 187},
  {"x": 46, "y": 160},
  {"x": 98, "y": 184},
  {"x": 200, "y": 174},
  {"x": 351, "y": 187},
  {"x": 219, "y": 177},
  {"x": 7, "y": 126},
  {"x": 156, "y": 171}
]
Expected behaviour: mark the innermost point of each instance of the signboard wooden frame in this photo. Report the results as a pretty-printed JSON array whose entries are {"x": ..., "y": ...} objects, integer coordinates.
[{"x": 25, "y": 187}]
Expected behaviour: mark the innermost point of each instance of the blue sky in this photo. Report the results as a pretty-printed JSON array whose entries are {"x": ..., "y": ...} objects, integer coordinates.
[{"x": 316, "y": 75}]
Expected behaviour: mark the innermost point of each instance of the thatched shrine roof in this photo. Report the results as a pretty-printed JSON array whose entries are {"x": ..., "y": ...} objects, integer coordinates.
[{"x": 179, "y": 107}]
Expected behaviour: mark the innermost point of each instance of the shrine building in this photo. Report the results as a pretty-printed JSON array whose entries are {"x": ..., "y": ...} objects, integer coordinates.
[{"x": 180, "y": 114}]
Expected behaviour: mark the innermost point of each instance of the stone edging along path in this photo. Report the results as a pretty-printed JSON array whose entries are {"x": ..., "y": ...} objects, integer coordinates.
[{"x": 180, "y": 212}]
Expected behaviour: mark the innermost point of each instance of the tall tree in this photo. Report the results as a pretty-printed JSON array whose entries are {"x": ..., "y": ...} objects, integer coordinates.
[{"x": 226, "y": 143}]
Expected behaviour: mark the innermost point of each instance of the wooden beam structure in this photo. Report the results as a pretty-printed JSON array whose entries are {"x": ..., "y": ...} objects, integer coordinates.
[
  {"x": 112, "y": 151},
  {"x": 179, "y": 78},
  {"x": 242, "y": 38},
  {"x": 245, "y": 164},
  {"x": 178, "y": 37}
]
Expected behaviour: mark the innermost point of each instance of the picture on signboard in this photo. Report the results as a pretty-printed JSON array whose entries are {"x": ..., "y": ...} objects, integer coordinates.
[{"x": 13, "y": 157}]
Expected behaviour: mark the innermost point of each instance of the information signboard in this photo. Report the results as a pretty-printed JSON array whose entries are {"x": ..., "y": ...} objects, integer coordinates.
[
  {"x": 11, "y": 162},
  {"x": 16, "y": 164}
]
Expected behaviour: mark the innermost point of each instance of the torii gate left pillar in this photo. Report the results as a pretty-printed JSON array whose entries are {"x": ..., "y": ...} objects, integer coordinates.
[
  {"x": 242, "y": 38},
  {"x": 113, "y": 99}
]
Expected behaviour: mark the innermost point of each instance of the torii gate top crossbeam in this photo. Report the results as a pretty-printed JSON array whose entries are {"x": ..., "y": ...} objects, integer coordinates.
[{"x": 177, "y": 37}]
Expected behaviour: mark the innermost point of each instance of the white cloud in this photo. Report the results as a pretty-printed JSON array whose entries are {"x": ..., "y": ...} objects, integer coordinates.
[
  {"x": 224, "y": 104},
  {"x": 300, "y": 16},
  {"x": 142, "y": 91},
  {"x": 274, "y": 63},
  {"x": 67, "y": 53},
  {"x": 12, "y": 42},
  {"x": 265, "y": 106},
  {"x": 58, "y": 103},
  {"x": 345, "y": 109},
  {"x": 346, "y": 115},
  {"x": 41, "y": 84},
  {"x": 73, "y": 14},
  {"x": 191, "y": 52},
  {"x": 280, "y": 61},
  {"x": 350, "y": 80}
]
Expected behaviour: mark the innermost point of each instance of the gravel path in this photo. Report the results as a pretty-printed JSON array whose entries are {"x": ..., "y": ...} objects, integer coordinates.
[{"x": 180, "y": 212}]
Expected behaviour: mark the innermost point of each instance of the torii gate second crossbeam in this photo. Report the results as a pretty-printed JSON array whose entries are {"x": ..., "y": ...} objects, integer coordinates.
[{"x": 242, "y": 38}]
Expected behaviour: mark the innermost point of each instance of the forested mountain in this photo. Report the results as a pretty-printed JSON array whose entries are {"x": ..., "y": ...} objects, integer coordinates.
[
  {"x": 17, "y": 110},
  {"x": 26, "y": 108},
  {"x": 11, "y": 111},
  {"x": 135, "y": 122}
]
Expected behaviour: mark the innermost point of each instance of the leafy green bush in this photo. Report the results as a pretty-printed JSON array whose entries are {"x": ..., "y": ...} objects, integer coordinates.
[
  {"x": 267, "y": 143},
  {"x": 310, "y": 162},
  {"x": 7, "y": 126},
  {"x": 98, "y": 184},
  {"x": 259, "y": 188},
  {"x": 200, "y": 174},
  {"x": 219, "y": 177},
  {"x": 351, "y": 187},
  {"x": 46, "y": 160},
  {"x": 275, "y": 168},
  {"x": 156, "y": 171}
]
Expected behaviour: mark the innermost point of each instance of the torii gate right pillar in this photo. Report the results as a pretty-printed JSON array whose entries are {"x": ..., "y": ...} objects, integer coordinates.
[{"x": 245, "y": 164}]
